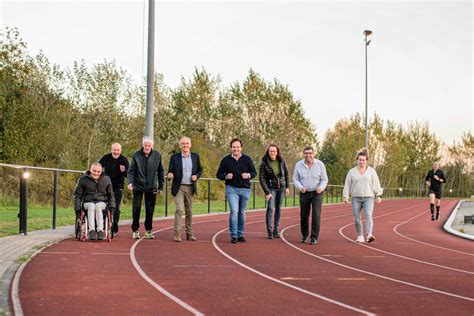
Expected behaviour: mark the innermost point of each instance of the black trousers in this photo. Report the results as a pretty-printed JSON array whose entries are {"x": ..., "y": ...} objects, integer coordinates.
[
  {"x": 118, "y": 193},
  {"x": 308, "y": 201},
  {"x": 150, "y": 200}
]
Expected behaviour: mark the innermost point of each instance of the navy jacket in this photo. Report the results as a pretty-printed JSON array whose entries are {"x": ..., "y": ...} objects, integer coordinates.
[
  {"x": 176, "y": 168},
  {"x": 236, "y": 167}
]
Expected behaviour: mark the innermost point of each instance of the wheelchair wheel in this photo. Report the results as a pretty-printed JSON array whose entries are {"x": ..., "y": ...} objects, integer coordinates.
[{"x": 83, "y": 227}]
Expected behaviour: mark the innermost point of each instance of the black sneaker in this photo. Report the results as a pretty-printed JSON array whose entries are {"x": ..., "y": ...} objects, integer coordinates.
[
  {"x": 303, "y": 239},
  {"x": 437, "y": 216},
  {"x": 313, "y": 241},
  {"x": 276, "y": 234},
  {"x": 91, "y": 235},
  {"x": 241, "y": 239},
  {"x": 100, "y": 235},
  {"x": 270, "y": 236},
  {"x": 432, "y": 217},
  {"x": 233, "y": 240}
]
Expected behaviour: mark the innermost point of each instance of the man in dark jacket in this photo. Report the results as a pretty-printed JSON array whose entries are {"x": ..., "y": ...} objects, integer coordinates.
[
  {"x": 115, "y": 165},
  {"x": 433, "y": 180},
  {"x": 237, "y": 169},
  {"x": 94, "y": 190},
  {"x": 185, "y": 170},
  {"x": 274, "y": 179},
  {"x": 145, "y": 177}
]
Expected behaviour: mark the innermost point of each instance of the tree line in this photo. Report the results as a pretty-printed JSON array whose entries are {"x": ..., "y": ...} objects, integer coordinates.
[{"x": 68, "y": 117}]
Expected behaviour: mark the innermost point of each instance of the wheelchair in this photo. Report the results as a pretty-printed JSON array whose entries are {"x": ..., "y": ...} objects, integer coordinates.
[{"x": 82, "y": 225}]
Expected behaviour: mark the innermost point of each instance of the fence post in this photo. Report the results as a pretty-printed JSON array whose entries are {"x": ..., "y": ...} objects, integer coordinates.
[
  {"x": 225, "y": 201},
  {"x": 23, "y": 215},
  {"x": 55, "y": 197},
  {"x": 254, "y": 192},
  {"x": 208, "y": 196},
  {"x": 166, "y": 197},
  {"x": 294, "y": 195},
  {"x": 332, "y": 195}
]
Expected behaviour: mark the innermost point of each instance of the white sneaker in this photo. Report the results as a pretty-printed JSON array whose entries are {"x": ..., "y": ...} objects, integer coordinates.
[
  {"x": 370, "y": 238},
  {"x": 360, "y": 239}
]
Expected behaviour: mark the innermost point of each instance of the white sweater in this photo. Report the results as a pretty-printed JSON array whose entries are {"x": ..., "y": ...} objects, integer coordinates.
[{"x": 366, "y": 185}]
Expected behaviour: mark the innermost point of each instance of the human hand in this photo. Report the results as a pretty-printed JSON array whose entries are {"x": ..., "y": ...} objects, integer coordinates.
[
  {"x": 303, "y": 190},
  {"x": 428, "y": 183},
  {"x": 268, "y": 197},
  {"x": 194, "y": 178},
  {"x": 287, "y": 191},
  {"x": 122, "y": 168},
  {"x": 378, "y": 200},
  {"x": 130, "y": 186},
  {"x": 245, "y": 175},
  {"x": 436, "y": 177},
  {"x": 229, "y": 176},
  {"x": 170, "y": 176},
  {"x": 319, "y": 190},
  {"x": 346, "y": 200}
]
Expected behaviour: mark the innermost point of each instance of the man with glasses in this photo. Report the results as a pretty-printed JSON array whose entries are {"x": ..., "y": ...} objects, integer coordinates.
[{"x": 310, "y": 179}]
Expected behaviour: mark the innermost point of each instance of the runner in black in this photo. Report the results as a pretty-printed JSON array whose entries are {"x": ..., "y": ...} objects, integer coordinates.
[{"x": 433, "y": 179}]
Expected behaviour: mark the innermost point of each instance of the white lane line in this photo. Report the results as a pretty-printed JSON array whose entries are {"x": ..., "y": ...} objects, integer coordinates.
[
  {"x": 396, "y": 254},
  {"x": 142, "y": 273},
  {"x": 353, "y": 308},
  {"x": 60, "y": 252},
  {"x": 395, "y": 230},
  {"x": 371, "y": 273},
  {"x": 15, "y": 292},
  {"x": 111, "y": 253}
]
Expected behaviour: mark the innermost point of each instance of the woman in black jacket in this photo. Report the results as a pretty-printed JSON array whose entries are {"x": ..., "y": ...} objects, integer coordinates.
[{"x": 274, "y": 179}]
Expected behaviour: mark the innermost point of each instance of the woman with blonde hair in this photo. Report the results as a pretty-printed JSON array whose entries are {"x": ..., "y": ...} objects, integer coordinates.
[{"x": 363, "y": 185}]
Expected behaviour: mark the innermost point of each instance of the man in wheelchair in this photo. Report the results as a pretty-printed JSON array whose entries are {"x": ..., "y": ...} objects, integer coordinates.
[{"x": 94, "y": 192}]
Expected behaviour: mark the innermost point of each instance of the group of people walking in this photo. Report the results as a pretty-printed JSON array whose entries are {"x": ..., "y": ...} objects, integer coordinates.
[{"x": 103, "y": 185}]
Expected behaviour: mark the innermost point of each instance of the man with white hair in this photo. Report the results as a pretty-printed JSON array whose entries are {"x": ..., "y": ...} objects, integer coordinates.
[
  {"x": 185, "y": 170},
  {"x": 94, "y": 190},
  {"x": 145, "y": 178},
  {"x": 115, "y": 165}
]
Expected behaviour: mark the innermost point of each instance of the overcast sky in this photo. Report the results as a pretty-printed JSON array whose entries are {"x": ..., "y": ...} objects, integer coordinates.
[{"x": 420, "y": 57}]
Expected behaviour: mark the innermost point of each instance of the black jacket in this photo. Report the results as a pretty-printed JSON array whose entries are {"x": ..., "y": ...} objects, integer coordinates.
[
  {"x": 112, "y": 169},
  {"x": 176, "y": 168},
  {"x": 88, "y": 190},
  {"x": 146, "y": 173},
  {"x": 236, "y": 167},
  {"x": 269, "y": 180},
  {"x": 435, "y": 184}
]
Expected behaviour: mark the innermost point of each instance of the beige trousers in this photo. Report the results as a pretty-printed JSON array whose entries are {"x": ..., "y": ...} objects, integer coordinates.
[{"x": 184, "y": 205}]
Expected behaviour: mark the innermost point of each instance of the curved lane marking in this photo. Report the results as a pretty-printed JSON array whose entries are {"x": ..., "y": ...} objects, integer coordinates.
[
  {"x": 266, "y": 276},
  {"x": 398, "y": 255},
  {"x": 422, "y": 242},
  {"x": 371, "y": 273}
]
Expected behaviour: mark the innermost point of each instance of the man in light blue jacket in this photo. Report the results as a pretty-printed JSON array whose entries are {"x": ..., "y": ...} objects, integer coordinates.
[{"x": 310, "y": 179}]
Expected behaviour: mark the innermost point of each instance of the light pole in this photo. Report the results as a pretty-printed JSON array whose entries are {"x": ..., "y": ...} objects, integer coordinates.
[
  {"x": 150, "y": 100},
  {"x": 367, "y": 33}
]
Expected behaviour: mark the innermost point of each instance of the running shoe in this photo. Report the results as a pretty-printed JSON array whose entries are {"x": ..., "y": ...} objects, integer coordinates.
[
  {"x": 370, "y": 238},
  {"x": 360, "y": 239},
  {"x": 136, "y": 235},
  {"x": 149, "y": 235}
]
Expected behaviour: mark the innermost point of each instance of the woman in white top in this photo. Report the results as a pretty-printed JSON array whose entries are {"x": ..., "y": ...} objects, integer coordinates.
[{"x": 363, "y": 185}]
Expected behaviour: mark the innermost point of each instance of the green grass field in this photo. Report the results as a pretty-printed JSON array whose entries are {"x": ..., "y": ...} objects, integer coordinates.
[{"x": 41, "y": 216}]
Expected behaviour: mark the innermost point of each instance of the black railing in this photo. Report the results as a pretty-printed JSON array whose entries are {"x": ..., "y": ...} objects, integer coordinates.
[{"x": 332, "y": 194}]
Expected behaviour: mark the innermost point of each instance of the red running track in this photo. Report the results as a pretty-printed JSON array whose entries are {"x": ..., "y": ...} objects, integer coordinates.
[{"x": 413, "y": 267}]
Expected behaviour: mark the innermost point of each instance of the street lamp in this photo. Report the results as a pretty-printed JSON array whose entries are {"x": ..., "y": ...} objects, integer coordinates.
[{"x": 367, "y": 33}]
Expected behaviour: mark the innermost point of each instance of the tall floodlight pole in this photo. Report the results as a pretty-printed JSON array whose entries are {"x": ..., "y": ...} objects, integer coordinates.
[
  {"x": 367, "y": 33},
  {"x": 150, "y": 100}
]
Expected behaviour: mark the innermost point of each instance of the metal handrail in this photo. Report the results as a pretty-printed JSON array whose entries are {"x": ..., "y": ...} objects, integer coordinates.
[{"x": 330, "y": 193}]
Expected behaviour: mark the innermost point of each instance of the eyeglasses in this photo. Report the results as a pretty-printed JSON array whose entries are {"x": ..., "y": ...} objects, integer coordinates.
[{"x": 97, "y": 171}]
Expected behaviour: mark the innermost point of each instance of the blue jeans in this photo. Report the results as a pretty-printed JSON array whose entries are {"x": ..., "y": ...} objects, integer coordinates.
[
  {"x": 366, "y": 203},
  {"x": 274, "y": 203},
  {"x": 238, "y": 199}
]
